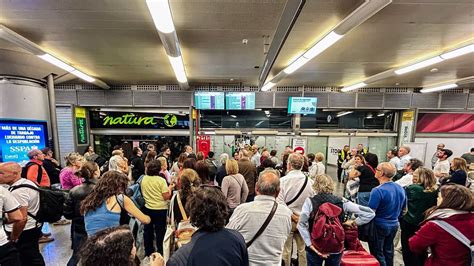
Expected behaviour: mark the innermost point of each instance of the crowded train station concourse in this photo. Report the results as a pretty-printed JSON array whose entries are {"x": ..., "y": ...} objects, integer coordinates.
[{"x": 236, "y": 132}]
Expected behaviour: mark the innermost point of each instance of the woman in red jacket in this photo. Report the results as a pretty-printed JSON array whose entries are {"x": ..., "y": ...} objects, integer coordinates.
[{"x": 455, "y": 206}]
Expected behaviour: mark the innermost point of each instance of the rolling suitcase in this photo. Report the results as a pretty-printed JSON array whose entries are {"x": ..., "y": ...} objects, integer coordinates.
[{"x": 358, "y": 258}]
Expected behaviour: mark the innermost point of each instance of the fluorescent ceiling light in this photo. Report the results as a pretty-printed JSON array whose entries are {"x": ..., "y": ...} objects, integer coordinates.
[
  {"x": 161, "y": 14},
  {"x": 419, "y": 65},
  {"x": 354, "y": 87},
  {"x": 369, "y": 117},
  {"x": 322, "y": 45},
  {"x": 458, "y": 52},
  {"x": 53, "y": 60},
  {"x": 295, "y": 65},
  {"x": 267, "y": 112},
  {"x": 83, "y": 76},
  {"x": 344, "y": 113},
  {"x": 268, "y": 86},
  {"x": 439, "y": 88},
  {"x": 178, "y": 68},
  {"x": 381, "y": 114},
  {"x": 233, "y": 116}
]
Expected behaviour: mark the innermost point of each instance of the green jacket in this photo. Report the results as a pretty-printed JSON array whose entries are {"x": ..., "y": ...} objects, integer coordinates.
[{"x": 418, "y": 201}]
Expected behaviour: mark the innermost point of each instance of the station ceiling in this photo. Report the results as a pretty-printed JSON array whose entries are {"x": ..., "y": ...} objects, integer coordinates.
[{"x": 117, "y": 42}]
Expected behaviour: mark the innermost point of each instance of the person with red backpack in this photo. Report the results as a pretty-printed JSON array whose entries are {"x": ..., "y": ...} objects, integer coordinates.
[{"x": 321, "y": 220}]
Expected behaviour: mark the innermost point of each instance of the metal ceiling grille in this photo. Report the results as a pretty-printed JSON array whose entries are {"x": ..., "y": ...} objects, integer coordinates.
[
  {"x": 119, "y": 98},
  {"x": 323, "y": 99},
  {"x": 425, "y": 100},
  {"x": 397, "y": 101},
  {"x": 398, "y": 90},
  {"x": 287, "y": 89},
  {"x": 371, "y": 90},
  {"x": 264, "y": 99},
  {"x": 370, "y": 100},
  {"x": 91, "y": 98},
  {"x": 146, "y": 99},
  {"x": 66, "y": 96},
  {"x": 342, "y": 100},
  {"x": 471, "y": 101},
  {"x": 176, "y": 99},
  {"x": 453, "y": 101}
]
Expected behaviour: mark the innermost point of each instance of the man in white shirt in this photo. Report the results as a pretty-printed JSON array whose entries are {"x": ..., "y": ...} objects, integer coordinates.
[
  {"x": 392, "y": 156},
  {"x": 409, "y": 168},
  {"x": 291, "y": 185},
  {"x": 256, "y": 156},
  {"x": 248, "y": 218},
  {"x": 26, "y": 233},
  {"x": 403, "y": 153},
  {"x": 434, "y": 158},
  {"x": 10, "y": 207},
  {"x": 442, "y": 167}
]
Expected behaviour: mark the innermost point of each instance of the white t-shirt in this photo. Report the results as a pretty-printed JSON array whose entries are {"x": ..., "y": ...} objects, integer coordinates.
[
  {"x": 395, "y": 161},
  {"x": 26, "y": 197},
  {"x": 441, "y": 167},
  {"x": 8, "y": 203},
  {"x": 317, "y": 169},
  {"x": 405, "y": 181}
]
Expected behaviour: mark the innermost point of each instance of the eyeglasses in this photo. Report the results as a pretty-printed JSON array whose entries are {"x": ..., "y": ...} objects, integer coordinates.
[{"x": 378, "y": 170}]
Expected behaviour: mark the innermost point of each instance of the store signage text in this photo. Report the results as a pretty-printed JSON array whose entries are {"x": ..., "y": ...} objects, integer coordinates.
[{"x": 129, "y": 119}]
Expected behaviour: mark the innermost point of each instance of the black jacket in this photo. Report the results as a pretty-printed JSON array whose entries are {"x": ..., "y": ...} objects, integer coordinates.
[
  {"x": 221, "y": 173},
  {"x": 52, "y": 170},
  {"x": 138, "y": 168},
  {"x": 72, "y": 205}
]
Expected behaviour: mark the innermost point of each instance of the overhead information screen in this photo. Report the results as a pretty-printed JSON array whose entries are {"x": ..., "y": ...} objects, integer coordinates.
[
  {"x": 240, "y": 100},
  {"x": 18, "y": 137},
  {"x": 302, "y": 105},
  {"x": 209, "y": 100}
]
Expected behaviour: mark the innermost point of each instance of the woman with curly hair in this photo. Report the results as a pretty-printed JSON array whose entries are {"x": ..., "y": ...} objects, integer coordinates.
[
  {"x": 113, "y": 246},
  {"x": 208, "y": 211},
  {"x": 102, "y": 207}
]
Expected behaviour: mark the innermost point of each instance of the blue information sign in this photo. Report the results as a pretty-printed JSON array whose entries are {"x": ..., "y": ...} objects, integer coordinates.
[{"x": 18, "y": 137}]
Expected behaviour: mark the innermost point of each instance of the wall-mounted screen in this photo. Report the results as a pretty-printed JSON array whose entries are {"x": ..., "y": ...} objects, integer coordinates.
[
  {"x": 18, "y": 137},
  {"x": 302, "y": 105},
  {"x": 240, "y": 100},
  {"x": 209, "y": 100}
]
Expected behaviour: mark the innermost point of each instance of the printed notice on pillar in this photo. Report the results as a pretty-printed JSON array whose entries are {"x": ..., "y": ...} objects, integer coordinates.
[{"x": 17, "y": 138}]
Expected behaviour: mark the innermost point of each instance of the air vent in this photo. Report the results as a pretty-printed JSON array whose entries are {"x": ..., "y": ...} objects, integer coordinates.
[
  {"x": 288, "y": 89},
  {"x": 335, "y": 89},
  {"x": 90, "y": 87},
  {"x": 151, "y": 87},
  {"x": 316, "y": 89},
  {"x": 121, "y": 87},
  {"x": 65, "y": 96},
  {"x": 370, "y": 100},
  {"x": 425, "y": 100},
  {"x": 65, "y": 87},
  {"x": 453, "y": 91},
  {"x": 398, "y": 90},
  {"x": 281, "y": 98},
  {"x": 323, "y": 98},
  {"x": 471, "y": 101},
  {"x": 119, "y": 97},
  {"x": 453, "y": 100},
  {"x": 342, "y": 100},
  {"x": 147, "y": 98},
  {"x": 264, "y": 99},
  {"x": 371, "y": 90},
  {"x": 397, "y": 101}
]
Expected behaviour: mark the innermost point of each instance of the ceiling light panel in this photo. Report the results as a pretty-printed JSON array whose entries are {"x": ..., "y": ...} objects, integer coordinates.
[
  {"x": 53, "y": 60},
  {"x": 439, "y": 88},
  {"x": 354, "y": 87},
  {"x": 161, "y": 14},
  {"x": 322, "y": 45},
  {"x": 458, "y": 52},
  {"x": 419, "y": 65},
  {"x": 178, "y": 68},
  {"x": 82, "y": 75},
  {"x": 268, "y": 86}
]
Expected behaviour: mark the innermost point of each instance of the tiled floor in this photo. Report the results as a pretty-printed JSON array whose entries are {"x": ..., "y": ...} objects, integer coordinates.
[{"x": 58, "y": 252}]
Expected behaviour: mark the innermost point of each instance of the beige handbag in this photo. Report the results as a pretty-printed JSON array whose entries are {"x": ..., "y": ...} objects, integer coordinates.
[
  {"x": 169, "y": 244},
  {"x": 185, "y": 229}
]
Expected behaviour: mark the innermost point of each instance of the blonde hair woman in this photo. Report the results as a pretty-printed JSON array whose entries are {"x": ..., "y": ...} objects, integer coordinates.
[
  {"x": 323, "y": 186},
  {"x": 67, "y": 175},
  {"x": 458, "y": 173},
  {"x": 234, "y": 187},
  {"x": 421, "y": 196},
  {"x": 317, "y": 168}
]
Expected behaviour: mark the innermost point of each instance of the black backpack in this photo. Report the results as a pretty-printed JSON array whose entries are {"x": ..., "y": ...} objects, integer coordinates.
[
  {"x": 51, "y": 204},
  {"x": 24, "y": 171}
]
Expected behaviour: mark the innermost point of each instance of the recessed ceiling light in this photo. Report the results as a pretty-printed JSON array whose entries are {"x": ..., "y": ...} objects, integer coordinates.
[
  {"x": 396, "y": 84},
  {"x": 231, "y": 79},
  {"x": 434, "y": 70}
]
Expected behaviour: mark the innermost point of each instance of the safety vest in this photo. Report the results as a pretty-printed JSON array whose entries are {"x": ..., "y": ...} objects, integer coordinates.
[{"x": 341, "y": 156}]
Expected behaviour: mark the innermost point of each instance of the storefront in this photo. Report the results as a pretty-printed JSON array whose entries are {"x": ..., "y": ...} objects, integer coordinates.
[{"x": 131, "y": 128}]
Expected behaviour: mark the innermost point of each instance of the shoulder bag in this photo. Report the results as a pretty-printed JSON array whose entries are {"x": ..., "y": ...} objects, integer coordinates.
[
  {"x": 299, "y": 193},
  {"x": 264, "y": 226}
]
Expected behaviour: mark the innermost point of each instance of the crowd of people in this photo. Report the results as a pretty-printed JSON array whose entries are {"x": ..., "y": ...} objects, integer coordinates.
[{"x": 251, "y": 207}]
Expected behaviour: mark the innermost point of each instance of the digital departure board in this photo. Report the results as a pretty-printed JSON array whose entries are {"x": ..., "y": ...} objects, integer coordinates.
[
  {"x": 302, "y": 105},
  {"x": 18, "y": 137},
  {"x": 240, "y": 100},
  {"x": 209, "y": 100}
]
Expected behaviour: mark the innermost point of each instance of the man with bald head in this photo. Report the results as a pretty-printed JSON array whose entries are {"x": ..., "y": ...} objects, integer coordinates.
[
  {"x": 25, "y": 233},
  {"x": 248, "y": 218},
  {"x": 388, "y": 201}
]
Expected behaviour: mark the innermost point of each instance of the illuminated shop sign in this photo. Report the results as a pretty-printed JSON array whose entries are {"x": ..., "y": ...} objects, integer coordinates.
[
  {"x": 18, "y": 137},
  {"x": 138, "y": 120}
]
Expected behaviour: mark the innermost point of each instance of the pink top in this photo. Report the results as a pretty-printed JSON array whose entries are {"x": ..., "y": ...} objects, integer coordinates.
[{"x": 69, "y": 179}]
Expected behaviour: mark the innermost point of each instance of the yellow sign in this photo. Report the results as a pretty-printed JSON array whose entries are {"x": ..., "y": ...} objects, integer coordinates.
[
  {"x": 408, "y": 116},
  {"x": 80, "y": 112}
]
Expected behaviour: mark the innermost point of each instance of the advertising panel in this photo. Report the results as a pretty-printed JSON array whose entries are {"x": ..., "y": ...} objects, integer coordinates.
[{"x": 302, "y": 105}]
